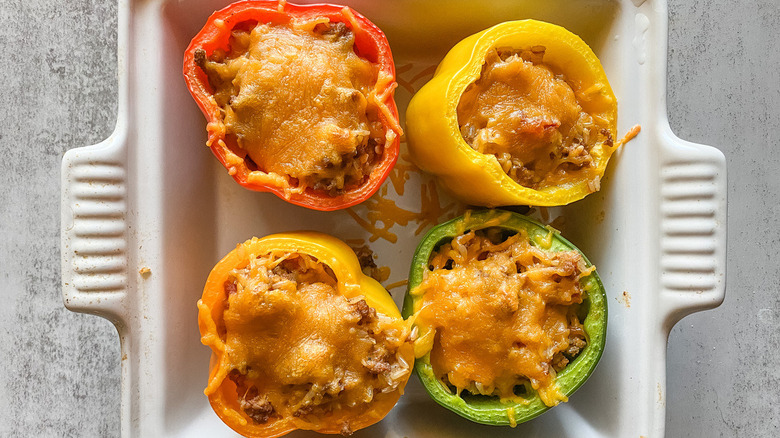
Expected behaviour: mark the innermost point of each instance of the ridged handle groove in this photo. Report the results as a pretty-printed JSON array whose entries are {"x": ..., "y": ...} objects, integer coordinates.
[
  {"x": 94, "y": 228},
  {"x": 693, "y": 228}
]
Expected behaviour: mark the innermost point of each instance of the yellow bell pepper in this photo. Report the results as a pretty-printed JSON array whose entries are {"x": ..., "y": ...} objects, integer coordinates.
[
  {"x": 351, "y": 283},
  {"x": 437, "y": 146}
]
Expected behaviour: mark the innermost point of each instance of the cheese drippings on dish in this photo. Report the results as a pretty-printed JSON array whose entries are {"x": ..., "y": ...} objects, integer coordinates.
[
  {"x": 299, "y": 350},
  {"x": 296, "y": 101},
  {"x": 500, "y": 316},
  {"x": 529, "y": 118}
]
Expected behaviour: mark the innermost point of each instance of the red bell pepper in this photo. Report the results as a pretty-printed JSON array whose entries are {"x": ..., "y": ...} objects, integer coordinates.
[{"x": 370, "y": 44}]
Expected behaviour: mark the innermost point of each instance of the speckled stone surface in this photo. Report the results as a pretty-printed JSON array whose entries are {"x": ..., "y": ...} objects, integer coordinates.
[
  {"x": 724, "y": 90},
  {"x": 60, "y": 370}
]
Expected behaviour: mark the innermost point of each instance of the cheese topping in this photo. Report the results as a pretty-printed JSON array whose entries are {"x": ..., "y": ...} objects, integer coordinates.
[
  {"x": 500, "y": 316},
  {"x": 385, "y": 210},
  {"x": 297, "y": 349},
  {"x": 297, "y": 101},
  {"x": 528, "y": 117}
]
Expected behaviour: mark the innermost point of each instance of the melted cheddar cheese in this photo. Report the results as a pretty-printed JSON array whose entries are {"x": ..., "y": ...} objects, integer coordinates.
[
  {"x": 499, "y": 316},
  {"x": 528, "y": 117},
  {"x": 295, "y": 101},
  {"x": 297, "y": 350}
]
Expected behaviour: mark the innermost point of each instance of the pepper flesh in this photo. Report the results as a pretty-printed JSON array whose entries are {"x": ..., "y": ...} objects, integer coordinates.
[
  {"x": 351, "y": 284},
  {"x": 370, "y": 44},
  {"x": 436, "y": 143},
  {"x": 493, "y": 410}
]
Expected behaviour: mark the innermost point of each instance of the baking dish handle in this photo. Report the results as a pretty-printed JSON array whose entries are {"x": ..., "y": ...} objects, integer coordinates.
[
  {"x": 94, "y": 228},
  {"x": 693, "y": 227}
]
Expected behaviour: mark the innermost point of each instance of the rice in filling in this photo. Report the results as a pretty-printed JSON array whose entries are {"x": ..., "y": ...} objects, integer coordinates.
[{"x": 528, "y": 117}]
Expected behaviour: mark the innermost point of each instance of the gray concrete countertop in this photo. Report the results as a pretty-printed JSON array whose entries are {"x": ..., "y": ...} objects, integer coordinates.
[{"x": 60, "y": 371}]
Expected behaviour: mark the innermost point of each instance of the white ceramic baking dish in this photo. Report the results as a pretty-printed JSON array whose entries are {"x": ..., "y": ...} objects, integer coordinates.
[{"x": 152, "y": 196}]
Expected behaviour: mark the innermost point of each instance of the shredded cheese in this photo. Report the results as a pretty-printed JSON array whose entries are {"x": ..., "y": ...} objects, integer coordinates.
[
  {"x": 401, "y": 174},
  {"x": 298, "y": 106},
  {"x": 530, "y": 119},
  {"x": 630, "y": 135},
  {"x": 384, "y": 210},
  {"x": 397, "y": 284},
  {"x": 295, "y": 348},
  {"x": 510, "y": 414},
  {"x": 500, "y": 315}
]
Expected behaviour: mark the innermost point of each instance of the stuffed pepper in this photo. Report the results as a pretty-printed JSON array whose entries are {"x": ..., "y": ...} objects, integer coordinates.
[
  {"x": 300, "y": 338},
  {"x": 519, "y": 114},
  {"x": 298, "y": 100},
  {"x": 509, "y": 317}
]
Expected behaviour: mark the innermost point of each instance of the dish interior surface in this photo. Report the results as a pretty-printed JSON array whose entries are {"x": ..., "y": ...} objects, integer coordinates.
[{"x": 203, "y": 214}]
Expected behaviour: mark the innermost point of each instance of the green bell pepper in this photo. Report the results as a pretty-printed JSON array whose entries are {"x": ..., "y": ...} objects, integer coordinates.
[{"x": 490, "y": 409}]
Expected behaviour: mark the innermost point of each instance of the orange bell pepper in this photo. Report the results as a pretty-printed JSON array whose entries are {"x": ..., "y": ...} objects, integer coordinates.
[{"x": 351, "y": 283}]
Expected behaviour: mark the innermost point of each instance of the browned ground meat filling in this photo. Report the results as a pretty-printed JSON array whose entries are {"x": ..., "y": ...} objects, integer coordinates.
[
  {"x": 301, "y": 349},
  {"x": 295, "y": 102},
  {"x": 528, "y": 116},
  {"x": 504, "y": 314}
]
